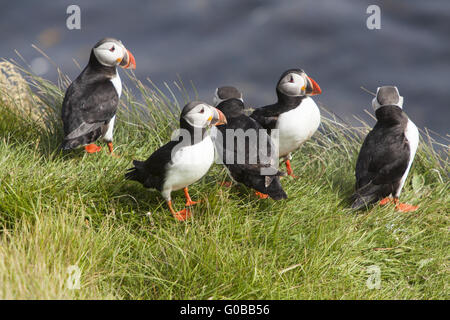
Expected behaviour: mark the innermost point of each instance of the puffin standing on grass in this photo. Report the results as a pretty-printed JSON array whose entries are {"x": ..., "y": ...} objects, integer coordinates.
[
  {"x": 387, "y": 153},
  {"x": 248, "y": 154},
  {"x": 184, "y": 160},
  {"x": 295, "y": 114},
  {"x": 90, "y": 104}
]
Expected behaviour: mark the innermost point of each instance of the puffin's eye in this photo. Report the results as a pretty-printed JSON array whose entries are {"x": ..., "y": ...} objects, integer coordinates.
[
  {"x": 112, "y": 49},
  {"x": 202, "y": 111}
]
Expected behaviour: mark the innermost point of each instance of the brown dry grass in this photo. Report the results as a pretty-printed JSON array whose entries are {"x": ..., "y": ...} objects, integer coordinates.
[{"x": 16, "y": 93}]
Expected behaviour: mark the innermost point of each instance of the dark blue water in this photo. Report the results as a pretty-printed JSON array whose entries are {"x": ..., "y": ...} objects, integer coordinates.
[{"x": 249, "y": 43}]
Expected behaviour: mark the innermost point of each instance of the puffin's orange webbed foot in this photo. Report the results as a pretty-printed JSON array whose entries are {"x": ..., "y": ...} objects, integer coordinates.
[
  {"x": 386, "y": 201},
  {"x": 110, "y": 147},
  {"x": 184, "y": 214},
  {"x": 261, "y": 195},
  {"x": 92, "y": 148},
  {"x": 181, "y": 215},
  {"x": 404, "y": 207},
  {"x": 289, "y": 170},
  {"x": 191, "y": 203}
]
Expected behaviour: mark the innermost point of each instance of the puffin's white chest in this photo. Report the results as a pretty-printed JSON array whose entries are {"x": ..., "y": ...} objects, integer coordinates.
[
  {"x": 189, "y": 164},
  {"x": 297, "y": 125},
  {"x": 107, "y": 129},
  {"x": 117, "y": 83},
  {"x": 412, "y": 134}
]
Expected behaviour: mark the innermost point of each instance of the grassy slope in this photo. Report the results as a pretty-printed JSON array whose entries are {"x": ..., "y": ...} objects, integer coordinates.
[{"x": 235, "y": 247}]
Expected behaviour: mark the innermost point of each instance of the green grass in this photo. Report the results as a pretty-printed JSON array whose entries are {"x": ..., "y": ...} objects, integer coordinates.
[{"x": 309, "y": 246}]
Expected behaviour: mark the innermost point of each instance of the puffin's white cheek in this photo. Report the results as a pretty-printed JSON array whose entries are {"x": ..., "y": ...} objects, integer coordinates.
[
  {"x": 193, "y": 120},
  {"x": 291, "y": 89},
  {"x": 205, "y": 120},
  {"x": 108, "y": 58}
]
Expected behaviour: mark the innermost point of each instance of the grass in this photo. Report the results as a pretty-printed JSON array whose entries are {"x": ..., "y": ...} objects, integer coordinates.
[{"x": 63, "y": 209}]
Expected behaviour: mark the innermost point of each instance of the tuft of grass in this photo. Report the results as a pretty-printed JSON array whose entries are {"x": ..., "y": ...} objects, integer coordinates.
[{"x": 59, "y": 210}]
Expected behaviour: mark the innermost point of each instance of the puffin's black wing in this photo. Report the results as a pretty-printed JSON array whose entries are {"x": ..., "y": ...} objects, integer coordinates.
[
  {"x": 382, "y": 161},
  {"x": 152, "y": 172},
  {"x": 266, "y": 116},
  {"x": 86, "y": 108},
  {"x": 250, "y": 173}
]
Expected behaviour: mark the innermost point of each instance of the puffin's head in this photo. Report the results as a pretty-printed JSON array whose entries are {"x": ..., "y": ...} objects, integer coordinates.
[
  {"x": 295, "y": 82},
  {"x": 387, "y": 95},
  {"x": 201, "y": 115},
  {"x": 225, "y": 93},
  {"x": 111, "y": 52}
]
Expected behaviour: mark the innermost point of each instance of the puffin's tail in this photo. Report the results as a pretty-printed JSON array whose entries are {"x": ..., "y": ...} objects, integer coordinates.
[
  {"x": 69, "y": 144},
  {"x": 365, "y": 196},
  {"x": 135, "y": 172},
  {"x": 275, "y": 190},
  {"x": 361, "y": 202}
]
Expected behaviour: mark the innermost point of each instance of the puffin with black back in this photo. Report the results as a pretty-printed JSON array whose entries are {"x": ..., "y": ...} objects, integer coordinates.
[
  {"x": 184, "y": 160},
  {"x": 387, "y": 153},
  {"x": 247, "y": 151},
  {"x": 90, "y": 103},
  {"x": 295, "y": 114}
]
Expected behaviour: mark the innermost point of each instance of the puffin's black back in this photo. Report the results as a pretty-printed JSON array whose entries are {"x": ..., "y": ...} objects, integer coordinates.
[
  {"x": 152, "y": 172},
  {"x": 248, "y": 174},
  {"x": 90, "y": 102},
  {"x": 383, "y": 158}
]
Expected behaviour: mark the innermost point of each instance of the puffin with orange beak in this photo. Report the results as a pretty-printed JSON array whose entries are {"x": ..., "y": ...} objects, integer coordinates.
[
  {"x": 184, "y": 160},
  {"x": 295, "y": 114},
  {"x": 90, "y": 103}
]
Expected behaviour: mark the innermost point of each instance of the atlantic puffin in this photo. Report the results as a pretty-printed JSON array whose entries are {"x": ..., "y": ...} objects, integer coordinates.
[
  {"x": 90, "y": 103},
  {"x": 183, "y": 160},
  {"x": 246, "y": 150},
  {"x": 386, "y": 154},
  {"x": 295, "y": 114}
]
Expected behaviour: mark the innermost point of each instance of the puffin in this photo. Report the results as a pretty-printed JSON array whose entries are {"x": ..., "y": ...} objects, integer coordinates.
[
  {"x": 90, "y": 103},
  {"x": 246, "y": 150},
  {"x": 184, "y": 160},
  {"x": 295, "y": 114},
  {"x": 386, "y": 154}
]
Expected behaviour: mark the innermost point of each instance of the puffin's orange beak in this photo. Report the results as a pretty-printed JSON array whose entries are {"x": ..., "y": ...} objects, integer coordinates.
[
  {"x": 313, "y": 87},
  {"x": 222, "y": 119},
  {"x": 128, "y": 62},
  {"x": 218, "y": 118}
]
